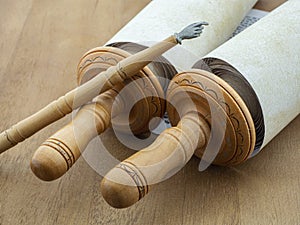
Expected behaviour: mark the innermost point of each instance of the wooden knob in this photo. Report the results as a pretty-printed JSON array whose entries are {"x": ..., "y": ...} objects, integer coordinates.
[
  {"x": 131, "y": 180},
  {"x": 57, "y": 154}
]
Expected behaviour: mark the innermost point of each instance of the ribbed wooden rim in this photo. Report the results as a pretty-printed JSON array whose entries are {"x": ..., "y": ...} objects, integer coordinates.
[
  {"x": 147, "y": 107},
  {"x": 210, "y": 84},
  {"x": 239, "y": 83}
]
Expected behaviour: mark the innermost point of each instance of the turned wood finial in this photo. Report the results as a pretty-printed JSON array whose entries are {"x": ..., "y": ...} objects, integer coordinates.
[
  {"x": 132, "y": 179},
  {"x": 59, "y": 152},
  {"x": 211, "y": 121}
]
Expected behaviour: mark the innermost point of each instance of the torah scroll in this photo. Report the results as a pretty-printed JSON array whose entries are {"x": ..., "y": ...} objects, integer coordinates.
[
  {"x": 250, "y": 85},
  {"x": 267, "y": 55},
  {"x": 160, "y": 18}
]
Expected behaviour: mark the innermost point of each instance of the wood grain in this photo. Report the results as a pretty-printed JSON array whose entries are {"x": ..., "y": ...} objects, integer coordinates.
[
  {"x": 268, "y": 5},
  {"x": 41, "y": 43}
]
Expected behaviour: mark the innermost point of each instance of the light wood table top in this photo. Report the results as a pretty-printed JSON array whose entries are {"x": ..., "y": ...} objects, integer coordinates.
[{"x": 40, "y": 45}]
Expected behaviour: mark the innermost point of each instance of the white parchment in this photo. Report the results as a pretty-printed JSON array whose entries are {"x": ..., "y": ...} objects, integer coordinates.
[
  {"x": 253, "y": 16},
  {"x": 162, "y": 18},
  {"x": 268, "y": 55}
]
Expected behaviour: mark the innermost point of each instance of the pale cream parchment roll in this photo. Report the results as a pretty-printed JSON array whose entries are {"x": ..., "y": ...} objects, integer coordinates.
[
  {"x": 160, "y": 18},
  {"x": 267, "y": 54}
]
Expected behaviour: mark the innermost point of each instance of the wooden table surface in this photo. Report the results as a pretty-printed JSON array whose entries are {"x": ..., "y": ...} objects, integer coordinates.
[{"x": 40, "y": 45}]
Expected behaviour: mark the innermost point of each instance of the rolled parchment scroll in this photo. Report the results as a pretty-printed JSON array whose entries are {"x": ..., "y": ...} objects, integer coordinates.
[
  {"x": 249, "y": 85},
  {"x": 268, "y": 55},
  {"x": 160, "y": 17}
]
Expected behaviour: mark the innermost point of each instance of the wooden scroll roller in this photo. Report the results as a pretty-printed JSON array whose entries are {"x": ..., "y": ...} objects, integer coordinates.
[
  {"x": 104, "y": 81},
  {"x": 145, "y": 26},
  {"x": 224, "y": 110},
  {"x": 57, "y": 154}
]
